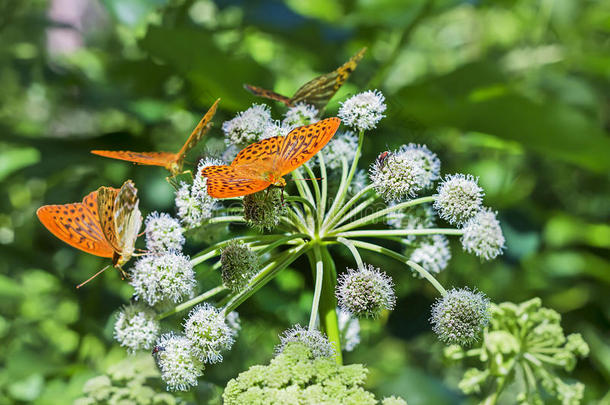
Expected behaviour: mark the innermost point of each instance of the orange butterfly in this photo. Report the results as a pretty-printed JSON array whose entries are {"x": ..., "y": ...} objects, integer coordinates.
[
  {"x": 106, "y": 223},
  {"x": 171, "y": 161},
  {"x": 318, "y": 91},
  {"x": 263, "y": 163}
]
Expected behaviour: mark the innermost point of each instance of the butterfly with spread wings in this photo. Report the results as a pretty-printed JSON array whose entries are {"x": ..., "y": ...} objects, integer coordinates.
[
  {"x": 264, "y": 163},
  {"x": 171, "y": 161},
  {"x": 318, "y": 91},
  {"x": 106, "y": 223}
]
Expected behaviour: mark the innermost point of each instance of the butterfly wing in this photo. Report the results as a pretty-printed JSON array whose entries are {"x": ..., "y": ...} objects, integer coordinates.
[
  {"x": 127, "y": 219},
  {"x": 258, "y": 91},
  {"x": 105, "y": 204},
  {"x": 164, "y": 159},
  {"x": 320, "y": 90},
  {"x": 200, "y": 130},
  {"x": 302, "y": 143},
  {"x": 230, "y": 181},
  {"x": 77, "y": 224}
]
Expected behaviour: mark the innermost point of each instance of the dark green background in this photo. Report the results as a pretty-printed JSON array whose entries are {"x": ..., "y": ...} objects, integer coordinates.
[{"x": 515, "y": 92}]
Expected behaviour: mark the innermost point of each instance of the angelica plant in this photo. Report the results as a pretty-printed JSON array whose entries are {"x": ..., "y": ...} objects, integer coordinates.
[
  {"x": 524, "y": 342},
  {"x": 340, "y": 208}
]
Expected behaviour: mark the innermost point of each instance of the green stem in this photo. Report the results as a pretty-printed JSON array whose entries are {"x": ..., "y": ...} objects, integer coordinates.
[
  {"x": 263, "y": 277},
  {"x": 302, "y": 187},
  {"x": 328, "y": 302},
  {"x": 404, "y": 259},
  {"x": 215, "y": 249},
  {"x": 316, "y": 187},
  {"x": 317, "y": 290},
  {"x": 342, "y": 189},
  {"x": 353, "y": 250},
  {"x": 230, "y": 218},
  {"x": 323, "y": 174},
  {"x": 369, "y": 218},
  {"x": 332, "y": 220},
  {"x": 281, "y": 241},
  {"x": 313, "y": 217},
  {"x": 365, "y": 204},
  {"x": 380, "y": 233},
  {"x": 192, "y": 302}
]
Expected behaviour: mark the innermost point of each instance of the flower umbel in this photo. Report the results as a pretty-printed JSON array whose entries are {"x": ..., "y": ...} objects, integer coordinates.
[
  {"x": 397, "y": 176},
  {"x": 365, "y": 292},
  {"x": 263, "y": 210},
  {"x": 458, "y": 198},
  {"x": 165, "y": 278},
  {"x": 428, "y": 162},
  {"x": 239, "y": 263},
  {"x": 136, "y": 327},
  {"x": 179, "y": 368},
  {"x": 460, "y": 316},
  {"x": 483, "y": 235},
  {"x": 163, "y": 233},
  {"x": 363, "y": 111},
  {"x": 432, "y": 253},
  {"x": 300, "y": 114},
  {"x": 315, "y": 340},
  {"x": 248, "y": 126},
  {"x": 208, "y": 332}
]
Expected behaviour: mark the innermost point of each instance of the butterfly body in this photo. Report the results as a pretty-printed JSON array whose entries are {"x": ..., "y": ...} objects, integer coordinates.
[
  {"x": 317, "y": 91},
  {"x": 264, "y": 163},
  {"x": 106, "y": 223},
  {"x": 172, "y": 162}
]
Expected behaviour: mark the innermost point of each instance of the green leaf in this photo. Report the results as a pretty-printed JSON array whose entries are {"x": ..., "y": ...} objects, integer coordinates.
[
  {"x": 13, "y": 159},
  {"x": 479, "y": 97}
]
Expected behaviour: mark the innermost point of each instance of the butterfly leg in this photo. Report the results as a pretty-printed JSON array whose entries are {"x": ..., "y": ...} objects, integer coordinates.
[{"x": 92, "y": 277}]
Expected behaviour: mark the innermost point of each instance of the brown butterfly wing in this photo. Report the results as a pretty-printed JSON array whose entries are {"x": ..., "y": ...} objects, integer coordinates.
[
  {"x": 320, "y": 90},
  {"x": 200, "y": 130},
  {"x": 164, "y": 159},
  {"x": 258, "y": 91},
  {"x": 77, "y": 224},
  {"x": 106, "y": 197},
  {"x": 302, "y": 143},
  {"x": 229, "y": 181}
]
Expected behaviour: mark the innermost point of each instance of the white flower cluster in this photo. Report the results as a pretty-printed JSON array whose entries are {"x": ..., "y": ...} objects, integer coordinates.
[
  {"x": 341, "y": 146},
  {"x": 458, "y": 198},
  {"x": 432, "y": 253},
  {"x": 315, "y": 340},
  {"x": 164, "y": 278},
  {"x": 483, "y": 235},
  {"x": 363, "y": 111},
  {"x": 248, "y": 126},
  {"x": 136, "y": 327},
  {"x": 427, "y": 161},
  {"x": 365, "y": 292},
  {"x": 179, "y": 368},
  {"x": 163, "y": 233},
  {"x": 209, "y": 333},
  {"x": 192, "y": 200},
  {"x": 299, "y": 115}
]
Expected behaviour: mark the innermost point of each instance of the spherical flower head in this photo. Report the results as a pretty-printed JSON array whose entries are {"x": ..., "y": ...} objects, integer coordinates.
[
  {"x": 365, "y": 292},
  {"x": 136, "y": 327},
  {"x": 421, "y": 216},
  {"x": 301, "y": 114},
  {"x": 432, "y": 253},
  {"x": 238, "y": 263},
  {"x": 429, "y": 163},
  {"x": 483, "y": 235},
  {"x": 396, "y": 176},
  {"x": 248, "y": 126},
  {"x": 164, "y": 278},
  {"x": 163, "y": 233},
  {"x": 342, "y": 145},
  {"x": 264, "y": 209},
  {"x": 276, "y": 128},
  {"x": 192, "y": 200},
  {"x": 460, "y": 316},
  {"x": 363, "y": 111},
  {"x": 349, "y": 330},
  {"x": 179, "y": 368},
  {"x": 458, "y": 198},
  {"x": 315, "y": 340},
  {"x": 208, "y": 332}
]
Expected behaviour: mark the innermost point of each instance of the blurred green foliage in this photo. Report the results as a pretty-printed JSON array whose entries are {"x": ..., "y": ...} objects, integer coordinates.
[{"x": 515, "y": 92}]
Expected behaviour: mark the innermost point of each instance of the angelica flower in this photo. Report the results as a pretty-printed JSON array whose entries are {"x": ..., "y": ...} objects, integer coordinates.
[
  {"x": 208, "y": 332},
  {"x": 428, "y": 162},
  {"x": 263, "y": 210},
  {"x": 163, "y": 233},
  {"x": 483, "y": 235},
  {"x": 363, "y": 111},
  {"x": 365, "y": 292},
  {"x": 136, "y": 327},
  {"x": 342, "y": 145},
  {"x": 432, "y": 253},
  {"x": 301, "y": 114},
  {"x": 238, "y": 263},
  {"x": 397, "y": 176},
  {"x": 179, "y": 368},
  {"x": 315, "y": 340},
  {"x": 168, "y": 277},
  {"x": 458, "y": 198},
  {"x": 192, "y": 201},
  {"x": 248, "y": 126},
  {"x": 460, "y": 316}
]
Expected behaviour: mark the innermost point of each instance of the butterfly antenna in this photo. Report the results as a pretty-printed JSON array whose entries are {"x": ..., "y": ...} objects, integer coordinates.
[{"x": 92, "y": 277}]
